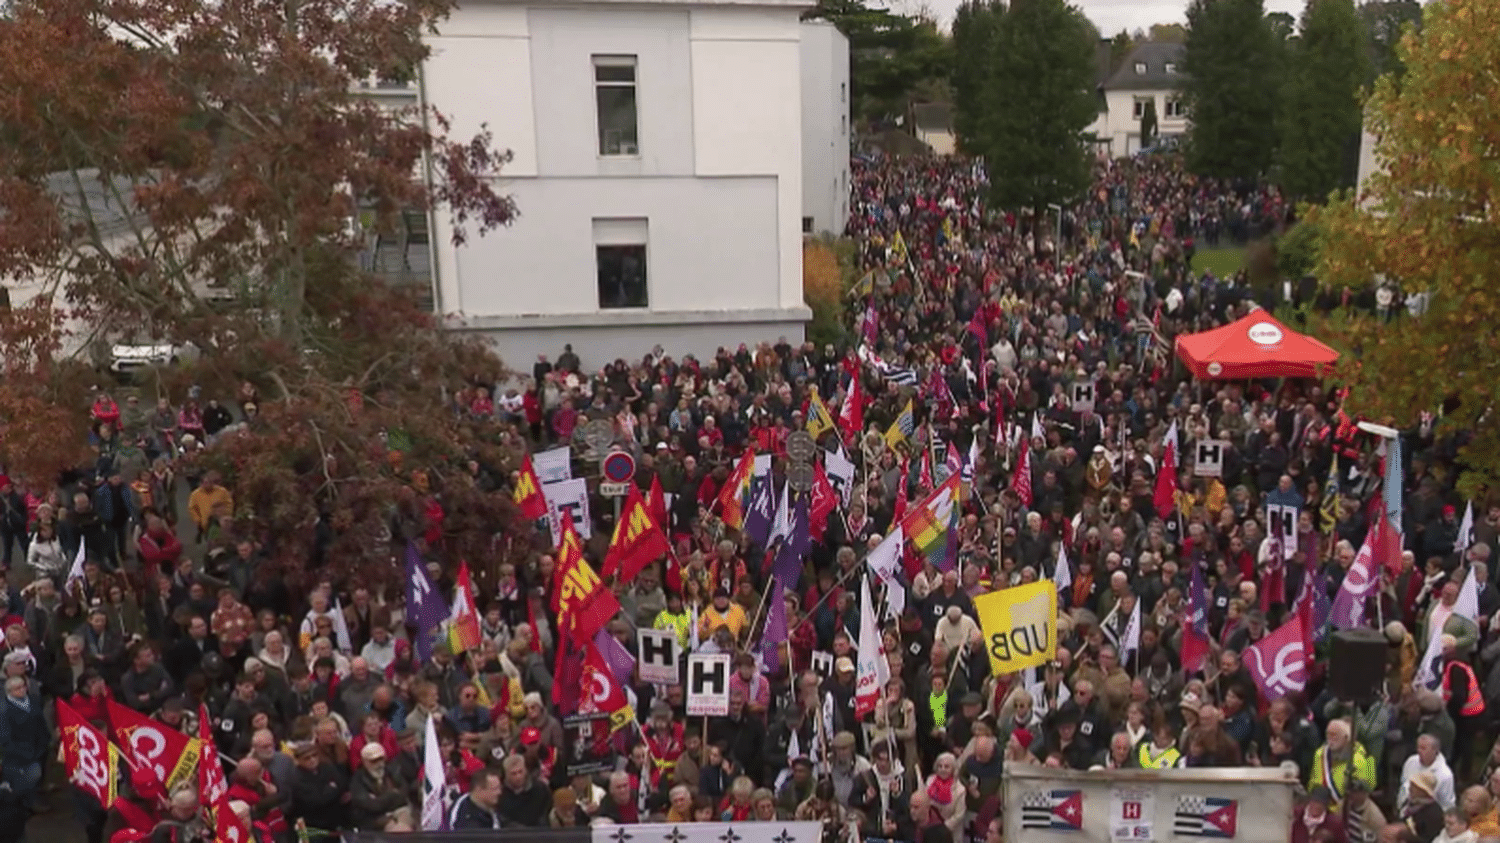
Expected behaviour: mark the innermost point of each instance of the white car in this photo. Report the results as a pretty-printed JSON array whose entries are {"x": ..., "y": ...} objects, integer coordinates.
[{"x": 125, "y": 359}]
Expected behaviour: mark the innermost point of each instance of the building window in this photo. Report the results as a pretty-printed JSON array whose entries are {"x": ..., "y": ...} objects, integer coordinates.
[
  {"x": 1140, "y": 68},
  {"x": 843, "y": 124},
  {"x": 1171, "y": 67},
  {"x": 614, "y": 91},
  {"x": 807, "y": 225},
  {"x": 1176, "y": 108},
  {"x": 620, "y": 253},
  {"x": 1140, "y": 107},
  {"x": 843, "y": 92}
]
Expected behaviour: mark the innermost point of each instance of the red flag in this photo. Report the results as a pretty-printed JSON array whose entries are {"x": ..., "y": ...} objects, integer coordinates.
[
  {"x": 135, "y": 817},
  {"x": 1278, "y": 662},
  {"x": 852, "y": 412},
  {"x": 169, "y": 754},
  {"x": 898, "y": 509},
  {"x": 212, "y": 786},
  {"x": 638, "y": 539},
  {"x": 824, "y": 501},
  {"x": 566, "y": 672},
  {"x": 583, "y": 604},
  {"x": 1387, "y": 544},
  {"x": 600, "y": 691},
  {"x": 528, "y": 492},
  {"x": 1020, "y": 482},
  {"x": 228, "y": 827},
  {"x": 924, "y": 473},
  {"x": 463, "y": 621},
  {"x": 89, "y": 760},
  {"x": 657, "y": 502},
  {"x": 1165, "y": 496}
]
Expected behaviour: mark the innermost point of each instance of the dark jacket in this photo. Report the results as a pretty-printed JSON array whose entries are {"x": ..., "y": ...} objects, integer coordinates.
[
  {"x": 316, "y": 797},
  {"x": 24, "y": 736},
  {"x": 466, "y": 816},
  {"x": 370, "y": 800},
  {"x": 528, "y": 808}
]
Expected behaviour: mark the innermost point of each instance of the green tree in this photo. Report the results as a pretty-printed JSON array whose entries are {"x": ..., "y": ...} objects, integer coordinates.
[
  {"x": 975, "y": 28},
  {"x": 1148, "y": 123},
  {"x": 1231, "y": 91},
  {"x": 1385, "y": 21},
  {"x": 892, "y": 58},
  {"x": 1119, "y": 47},
  {"x": 1029, "y": 113},
  {"x": 1320, "y": 101},
  {"x": 1173, "y": 33},
  {"x": 1427, "y": 220},
  {"x": 1283, "y": 26}
]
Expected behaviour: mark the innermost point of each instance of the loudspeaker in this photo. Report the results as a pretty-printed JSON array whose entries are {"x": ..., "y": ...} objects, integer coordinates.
[{"x": 1356, "y": 664}]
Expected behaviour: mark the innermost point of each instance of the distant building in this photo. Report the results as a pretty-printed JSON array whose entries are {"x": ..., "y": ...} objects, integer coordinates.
[
  {"x": 825, "y": 128},
  {"x": 1151, "y": 73},
  {"x": 658, "y": 157},
  {"x": 932, "y": 124}
]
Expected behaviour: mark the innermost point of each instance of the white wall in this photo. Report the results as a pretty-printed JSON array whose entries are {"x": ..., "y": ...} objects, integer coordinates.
[
  {"x": 718, "y": 178},
  {"x": 825, "y": 126},
  {"x": 1120, "y": 129},
  {"x": 942, "y": 141}
]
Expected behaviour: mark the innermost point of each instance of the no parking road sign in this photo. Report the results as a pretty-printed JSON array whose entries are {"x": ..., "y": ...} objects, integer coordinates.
[{"x": 618, "y": 468}]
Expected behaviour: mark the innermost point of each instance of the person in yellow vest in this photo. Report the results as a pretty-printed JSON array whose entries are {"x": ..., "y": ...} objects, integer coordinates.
[
  {"x": 1462, "y": 694},
  {"x": 674, "y": 618},
  {"x": 721, "y": 612},
  {"x": 1159, "y": 752},
  {"x": 1340, "y": 761}
]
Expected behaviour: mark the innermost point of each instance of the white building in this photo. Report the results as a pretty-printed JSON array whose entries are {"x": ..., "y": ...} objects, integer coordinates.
[
  {"x": 825, "y": 128},
  {"x": 1151, "y": 73},
  {"x": 657, "y": 168}
]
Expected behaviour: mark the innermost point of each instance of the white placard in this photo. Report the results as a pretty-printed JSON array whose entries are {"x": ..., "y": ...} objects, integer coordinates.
[
  {"x": 708, "y": 685},
  {"x": 656, "y": 656},
  {"x": 1082, "y": 398},
  {"x": 840, "y": 472},
  {"x": 571, "y": 498},
  {"x": 822, "y": 663},
  {"x": 553, "y": 466},
  {"x": 1208, "y": 458},
  {"x": 1132, "y": 812}
]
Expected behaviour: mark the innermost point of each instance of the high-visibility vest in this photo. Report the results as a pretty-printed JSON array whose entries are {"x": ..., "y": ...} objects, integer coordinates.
[
  {"x": 1474, "y": 705},
  {"x": 1166, "y": 761}
]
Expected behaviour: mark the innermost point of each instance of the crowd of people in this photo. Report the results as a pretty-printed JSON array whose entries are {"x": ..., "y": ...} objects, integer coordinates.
[{"x": 981, "y": 323}]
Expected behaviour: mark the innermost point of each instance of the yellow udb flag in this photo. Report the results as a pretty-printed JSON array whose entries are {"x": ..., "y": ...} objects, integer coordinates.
[{"x": 1020, "y": 625}]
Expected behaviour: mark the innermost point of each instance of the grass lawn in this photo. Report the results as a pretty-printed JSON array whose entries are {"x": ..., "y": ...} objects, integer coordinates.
[{"x": 1223, "y": 261}]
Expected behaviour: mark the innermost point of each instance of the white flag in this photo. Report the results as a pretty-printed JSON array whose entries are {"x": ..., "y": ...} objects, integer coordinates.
[
  {"x": 76, "y": 572},
  {"x": 434, "y": 781},
  {"x": 1036, "y": 426},
  {"x": 781, "y": 525},
  {"x": 1170, "y": 441},
  {"x": 1063, "y": 576},
  {"x": 1467, "y": 607},
  {"x": 884, "y": 561},
  {"x": 874, "y": 672},
  {"x": 1465, "y": 537},
  {"x": 341, "y": 629},
  {"x": 693, "y": 642},
  {"x": 1131, "y": 640}
]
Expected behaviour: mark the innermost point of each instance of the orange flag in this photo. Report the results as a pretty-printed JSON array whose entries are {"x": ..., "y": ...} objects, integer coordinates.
[
  {"x": 528, "y": 492},
  {"x": 638, "y": 539}
]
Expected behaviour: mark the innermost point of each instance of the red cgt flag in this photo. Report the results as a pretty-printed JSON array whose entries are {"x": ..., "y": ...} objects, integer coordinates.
[
  {"x": 212, "y": 785},
  {"x": 167, "y": 753},
  {"x": 824, "y": 501},
  {"x": 638, "y": 539},
  {"x": 88, "y": 758},
  {"x": 528, "y": 492}
]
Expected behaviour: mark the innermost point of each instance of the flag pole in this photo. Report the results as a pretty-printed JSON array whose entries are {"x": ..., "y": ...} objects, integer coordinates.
[{"x": 756, "y": 619}]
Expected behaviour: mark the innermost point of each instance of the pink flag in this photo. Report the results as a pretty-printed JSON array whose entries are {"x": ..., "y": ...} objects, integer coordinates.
[
  {"x": 1278, "y": 662},
  {"x": 1359, "y": 581}
]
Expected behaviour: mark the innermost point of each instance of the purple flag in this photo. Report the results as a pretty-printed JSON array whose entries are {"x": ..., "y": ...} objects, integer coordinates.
[
  {"x": 762, "y": 510},
  {"x": 788, "y": 566},
  {"x": 776, "y": 632},
  {"x": 621, "y": 662},
  {"x": 1348, "y": 608},
  {"x": 1198, "y": 602},
  {"x": 425, "y": 607}
]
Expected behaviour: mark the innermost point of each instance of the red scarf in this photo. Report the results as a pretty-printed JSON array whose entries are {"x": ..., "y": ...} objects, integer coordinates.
[{"x": 940, "y": 790}]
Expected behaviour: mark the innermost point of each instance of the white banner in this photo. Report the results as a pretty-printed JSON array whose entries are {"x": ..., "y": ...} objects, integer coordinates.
[
  {"x": 840, "y": 475},
  {"x": 656, "y": 656},
  {"x": 1132, "y": 813},
  {"x": 1208, "y": 458},
  {"x": 751, "y": 832},
  {"x": 568, "y": 498},
  {"x": 553, "y": 466}
]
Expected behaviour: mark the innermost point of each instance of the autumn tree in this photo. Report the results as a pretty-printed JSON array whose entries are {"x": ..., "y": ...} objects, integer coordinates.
[
  {"x": 1028, "y": 111},
  {"x": 1385, "y": 21},
  {"x": 1231, "y": 88},
  {"x": 1320, "y": 101},
  {"x": 1426, "y": 220},
  {"x": 205, "y": 171}
]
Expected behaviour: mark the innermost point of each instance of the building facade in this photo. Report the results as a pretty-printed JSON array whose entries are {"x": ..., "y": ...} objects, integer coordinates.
[
  {"x": 1152, "y": 73},
  {"x": 825, "y": 128},
  {"x": 657, "y": 166}
]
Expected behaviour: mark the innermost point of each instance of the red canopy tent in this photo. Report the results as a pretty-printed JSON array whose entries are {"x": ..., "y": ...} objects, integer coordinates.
[{"x": 1256, "y": 346}]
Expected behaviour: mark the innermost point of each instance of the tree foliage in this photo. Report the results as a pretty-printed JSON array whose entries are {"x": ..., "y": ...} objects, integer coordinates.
[
  {"x": 1321, "y": 113},
  {"x": 893, "y": 58},
  {"x": 1232, "y": 69},
  {"x": 234, "y": 152},
  {"x": 1385, "y": 21},
  {"x": 1033, "y": 98},
  {"x": 975, "y": 31},
  {"x": 1427, "y": 219}
]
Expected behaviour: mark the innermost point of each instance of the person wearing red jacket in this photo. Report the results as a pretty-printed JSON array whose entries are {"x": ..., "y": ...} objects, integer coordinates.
[
  {"x": 159, "y": 545},
  {"x": 373, "y": 729},
  {"x": 252, "y": 785},
  {"x": 93, "y": 698}
]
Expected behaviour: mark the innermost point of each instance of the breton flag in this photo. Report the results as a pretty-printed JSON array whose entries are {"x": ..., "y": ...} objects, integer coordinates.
[
  {"x": 874, "y": 671},
  {"x": 1058, "y": 810},
  {"x": 1205, "y": 816}
]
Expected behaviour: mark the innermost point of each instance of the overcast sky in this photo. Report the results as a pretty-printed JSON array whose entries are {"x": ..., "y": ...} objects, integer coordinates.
[{"x": 1111, "y": 16}]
